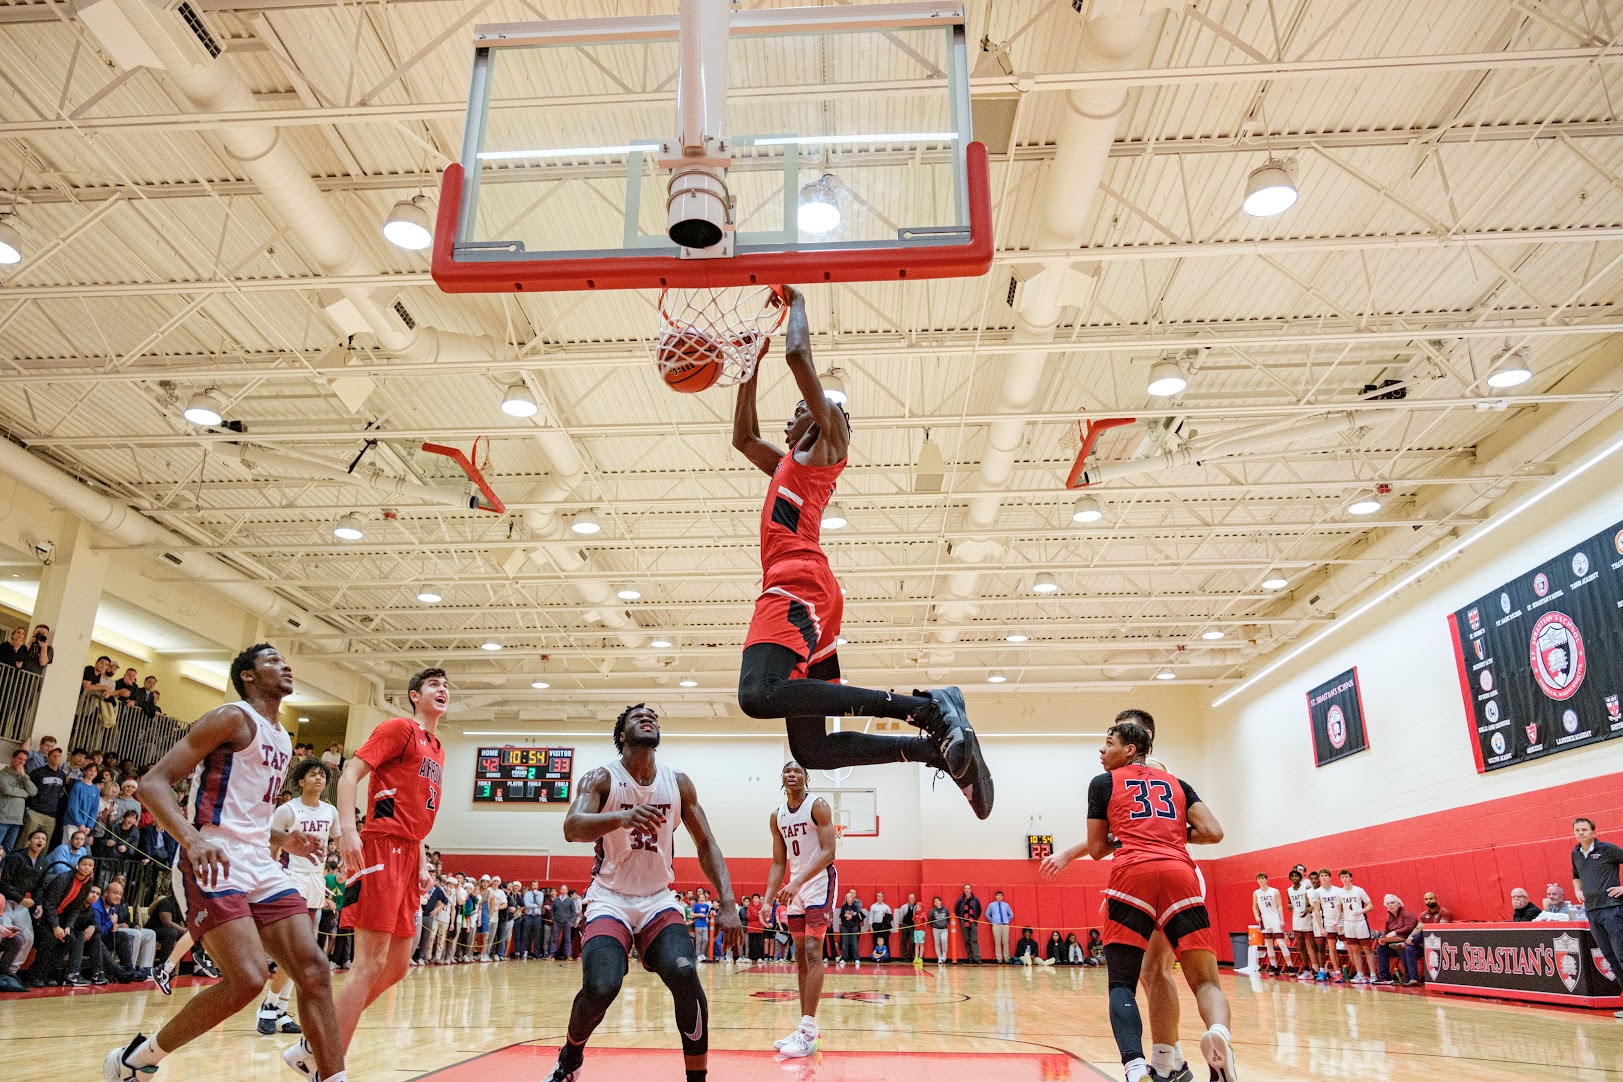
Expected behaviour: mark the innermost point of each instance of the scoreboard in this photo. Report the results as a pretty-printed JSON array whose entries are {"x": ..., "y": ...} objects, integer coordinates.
[{"x": 523, "y": 775}]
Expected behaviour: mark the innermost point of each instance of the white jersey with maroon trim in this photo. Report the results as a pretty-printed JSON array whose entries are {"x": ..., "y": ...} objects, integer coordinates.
[
  {"x": 799, "y": 833},
  {"x": 234, "y": 792},
  {"x": 637, "y": 863}
]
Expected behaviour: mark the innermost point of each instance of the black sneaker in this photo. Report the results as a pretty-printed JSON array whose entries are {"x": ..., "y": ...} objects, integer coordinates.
[
  {"x": 204, "y": 967},
  {"x": 76, "y": 981},
  {"x": 975, "y": 782},
  {"x": 161, "y": 977},
  {"x": 945, "y": 724},
  {"x": 265, "y": 1022},
  {"x": 1180, "y": 1074},
  {"x": 285, "y": 1024}
]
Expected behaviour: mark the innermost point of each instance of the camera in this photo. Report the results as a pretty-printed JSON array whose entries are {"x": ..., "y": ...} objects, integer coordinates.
[{"x": 45, "y": 552}]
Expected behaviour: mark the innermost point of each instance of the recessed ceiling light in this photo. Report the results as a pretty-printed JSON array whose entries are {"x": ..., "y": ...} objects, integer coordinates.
[
  {"x": 349, "y": 528},
  {"x": 687, "y": 682},
  {"x": 429, "y": 595},
  {"x": 1211, "y": 635},
  {"x": 1364, "y": 505},
  {"x": 518, "y": 401},
  {"x": 1044, "y": 583},
  {"x": 1275, "y": 580},
  {"x": 409, "y": 225},
  {"x": 585, "y": 523},
  {"x": 1166, "y": 674},
  {"x": 628, "y": 593},
  {"x": 1167, "y": 378},
  {"x": 1087, "y": 510},
  {"x": 203, "y": 409},
  {"x": 661, "y": 644},
  {"x": 1016, "y": 636},
  {"x": 995, "y": 677},
  {"x": 491, "y": 646},
  {"x": 1270, "y": 189},
  {"x": 540, "y": 685},
  {"x": 834, "y": 517}
]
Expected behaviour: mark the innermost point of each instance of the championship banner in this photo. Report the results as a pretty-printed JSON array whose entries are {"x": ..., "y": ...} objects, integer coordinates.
[
  {"x": 1541, "y": 658},
  {"x": 1337, "y": 711}
]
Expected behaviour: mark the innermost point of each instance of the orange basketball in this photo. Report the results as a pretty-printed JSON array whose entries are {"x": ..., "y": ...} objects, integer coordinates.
[{"x": 689, "y": 360}]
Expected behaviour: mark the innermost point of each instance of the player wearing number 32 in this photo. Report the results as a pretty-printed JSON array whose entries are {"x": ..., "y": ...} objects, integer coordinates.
[
  {"x": 240, "y": 902},
  {"x": 630, "y": 808},
  {"x": 1154, "y": 886}
]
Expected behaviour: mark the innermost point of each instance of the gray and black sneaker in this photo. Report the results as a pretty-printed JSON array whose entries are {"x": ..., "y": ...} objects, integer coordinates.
[
  {"x": 1177, "y": 1074},
  {"x": 961, "y": 749},
  {"x": 161, "y": 977}
]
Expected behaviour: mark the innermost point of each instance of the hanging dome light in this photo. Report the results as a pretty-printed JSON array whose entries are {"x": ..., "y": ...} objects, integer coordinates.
[
  {"x": 834, "y": 517},
  {"x": 1364, "y": 505},
  {"x": 1167, "y": 378},
  {"x": 1275, "y": 580},
  {"x": 1017, "y": 636},
  {"x": 518, "y": 401},
  {"x": 628, "y": 593},
  {"x": 1270, "y": 189},
  {"x": 585, "y": 523},
  {"x": 995, "y": 677},
  {"x": 833, "y": 382},
  {"x": 11, "y": 243},
  {"x": 1511, "y": 371},
  {"x": 429, "y": 595},
  {"x": 492, "y": 646},
  {"x": 1165, "y": 673},
  {"x": 204, "y": 408},
  {"x": 409, "y": 225},
  {"x": 687, "y": 682},
  {"x": 1087, "y": 510},
  {"x": 540, "y": 685},
  {"x": 1211, "y": 635},
  {"x": 349, "y": 528},
  {"x": 1044, "y": 584},
  {"x": 819, "y": 210},
  {"x": 661, "y": 644}
]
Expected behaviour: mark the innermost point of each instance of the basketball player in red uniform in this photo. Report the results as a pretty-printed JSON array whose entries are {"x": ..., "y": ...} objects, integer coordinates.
[
  {"x": 1154, "y": 886},
  {"x": 630, "y": 808},
  {"x": 239, "y": 902},
  {"x": 791, "y": 668},
  {"x": 385, "y": 867}
]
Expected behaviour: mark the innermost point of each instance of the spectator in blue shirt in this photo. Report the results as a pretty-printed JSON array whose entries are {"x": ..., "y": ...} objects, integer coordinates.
[
  {"x": 701, "y": 925},
  {"x": 65, "y": 856},
  {"x": 83, "y": 805},
  {"x": 999, "y": 915}
]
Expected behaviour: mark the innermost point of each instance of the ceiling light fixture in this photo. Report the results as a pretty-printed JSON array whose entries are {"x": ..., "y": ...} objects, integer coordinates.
[
  {"x": 519, "y": 402},
  {"x": 687, "y": 682},
  {"x": 1044, "y": 584},
  {"x": 1167, "y": 378},
  {"x": 1165, "y": 673},
  {"x": 1271, "y": 188},
  {"x": 1212, "y": 635},
  {"x": 204, "y": 408},
  {"x": 819, "y": 210},
  {"x": 1275, "y": 580},
  {"x": 1364, "y": 505},
  {"x": 661, "y": 644},
  {"x": 429, "y": 595},
  {"x": 585, "y": 523},
  {"x": 409, "y": 225},
  {"x": 1087, "y": 510},
  {"x": 540, "y": 685},
  {"x": 995, "y": 677},
  {"x": 834, "y": 517},
  {"x": 833, "y": 382},
  {"x": 1017, "y": 636},
  {"x": 1511, "y": 371},
  {"x": 11, "y": 243},
  {"x": 349, "y": 528},
  {"x": 628, "y": 593},
  {"x": 492, "y": 646},
  {"x": 304, "y": 721}
]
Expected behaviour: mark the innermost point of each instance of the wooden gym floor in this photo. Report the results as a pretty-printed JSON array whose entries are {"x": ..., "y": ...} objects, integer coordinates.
[{"x": 501, "y": 1022}]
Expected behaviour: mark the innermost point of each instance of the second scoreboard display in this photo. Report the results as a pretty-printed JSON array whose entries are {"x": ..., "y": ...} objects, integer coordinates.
[{"x": 523, "y": 775}]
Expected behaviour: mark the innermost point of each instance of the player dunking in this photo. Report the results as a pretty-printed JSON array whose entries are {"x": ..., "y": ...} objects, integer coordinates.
[
  {"x": 803, "y": 839},
  {"x": 630, "y": 808},
  {"x": 790, "y": 667},
  {"x": 238, "y": 901},
  {"x": 1154, "y": 885},
  {"x": 308, "y": 814}
]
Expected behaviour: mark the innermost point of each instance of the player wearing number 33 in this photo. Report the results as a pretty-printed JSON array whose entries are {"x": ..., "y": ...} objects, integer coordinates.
[
  {"x": 630, "y": 808},
  {"x": 1154, "y": 886}
]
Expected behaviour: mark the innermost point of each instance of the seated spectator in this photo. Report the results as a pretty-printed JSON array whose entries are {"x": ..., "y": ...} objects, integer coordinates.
[
  {"x": 98, "y": 961},
  {"x": 135, "y": 948},
  {"x": 165, "y": 923},
  {"x": 122, "y": 842},
  {"x": 1074, "y": 954},
  {"x": 1025, "y": 949},
  {"x": 1399, "y": 939},
  {"x": 63, "y": 900},
  {"x": 334, "y": 758},
  {"x": 1434, "y": 913},
  {"x": 1055, "y": 951},
  {"x": 1556, "y": 906},
  {"x": 1522, "y": 909},
  {"x": 16, "y": 940},
  {"x": 1096, "y": 948},
  {"x": 65, "y": 856},
  {"x": 19, "y": 885}
]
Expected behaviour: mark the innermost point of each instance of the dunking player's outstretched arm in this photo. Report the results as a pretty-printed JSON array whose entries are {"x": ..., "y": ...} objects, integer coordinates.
[
  {"x": 747, "y": 429},
  {"x": 714, "y": 865},
  {"x": 224, "y": 726},
  {"x": 833, "y": 429},
  {"x": 587, "y": 822}
]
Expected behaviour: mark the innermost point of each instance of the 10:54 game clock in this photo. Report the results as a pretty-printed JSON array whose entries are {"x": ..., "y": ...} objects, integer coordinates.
[{"x": 523, "y": 775}]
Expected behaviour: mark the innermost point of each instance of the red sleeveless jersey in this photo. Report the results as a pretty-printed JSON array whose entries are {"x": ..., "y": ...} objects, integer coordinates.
[
  {"x": 403, "y": 790},
  {"x": 792, "y": 517},
  {"x": 1148, "y": 812}
]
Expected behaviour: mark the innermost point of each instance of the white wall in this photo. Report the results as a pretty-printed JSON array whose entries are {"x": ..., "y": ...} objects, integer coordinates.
[{"x": 1261, "y": 781}]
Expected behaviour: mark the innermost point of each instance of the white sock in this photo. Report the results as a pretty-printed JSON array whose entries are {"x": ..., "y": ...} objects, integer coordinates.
[
  {"x": 809, "y": 1023},
  {"x": 339, "y": 1077},
  {"x": 281, "y": 1000},
  {"x": 148, "y": 1055},
  {"x": 1161, "y": 1058},
  {"x": 1136, "y": 1069}
]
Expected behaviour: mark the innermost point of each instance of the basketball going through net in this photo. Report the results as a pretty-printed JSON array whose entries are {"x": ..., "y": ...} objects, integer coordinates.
[{"x": 714, "y": 337}]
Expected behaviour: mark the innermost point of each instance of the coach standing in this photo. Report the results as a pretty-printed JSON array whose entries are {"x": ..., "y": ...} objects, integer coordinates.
[
  {"x": 1595, "y": 880},
  {"x": 968, "y": 911}
]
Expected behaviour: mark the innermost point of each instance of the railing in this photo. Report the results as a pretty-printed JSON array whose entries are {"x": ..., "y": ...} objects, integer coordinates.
[
  {"x": 132, "y": 735},
  {"x": 19, "y": 697}
]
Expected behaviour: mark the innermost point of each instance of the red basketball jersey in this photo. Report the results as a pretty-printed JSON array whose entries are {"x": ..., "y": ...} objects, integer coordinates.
[
  {"x": 403, "y": 791},
  {"x": 792, "y": 517},
  {"x": 1147, "y": 810}
]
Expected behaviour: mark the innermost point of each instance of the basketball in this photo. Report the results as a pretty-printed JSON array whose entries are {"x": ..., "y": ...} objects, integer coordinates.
[{"x": 689, "y": 360}]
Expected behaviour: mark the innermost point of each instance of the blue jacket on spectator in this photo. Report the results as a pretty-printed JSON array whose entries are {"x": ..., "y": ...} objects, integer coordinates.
[
  {"x": 63, "y": 859},
  {"x": 84, "y": 805},
  {"x": 104, "y": 919}
]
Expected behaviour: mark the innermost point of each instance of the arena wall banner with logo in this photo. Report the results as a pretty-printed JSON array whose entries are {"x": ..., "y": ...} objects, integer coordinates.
[
  {"x": 1541, "y": 657},
  {"x": 1337, "y": 710}
]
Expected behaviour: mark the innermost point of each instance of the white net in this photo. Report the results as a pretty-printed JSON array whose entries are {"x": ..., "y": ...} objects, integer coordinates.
[{"x": 730, "y": 326}]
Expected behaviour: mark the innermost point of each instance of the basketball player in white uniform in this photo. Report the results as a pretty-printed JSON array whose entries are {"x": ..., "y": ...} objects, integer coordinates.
[
  {"x": 1302, "y": 924},
  {"x": 1355, "y": 907},
  {"x": 803, "y": 839},
  {"x": 1267, "y": 912},
  {"x": 1330, "y": 917},
  {"x": 239, "y": 901},
  {"x": 630, "y": 808},
  {"x": 308, "y": 814}
]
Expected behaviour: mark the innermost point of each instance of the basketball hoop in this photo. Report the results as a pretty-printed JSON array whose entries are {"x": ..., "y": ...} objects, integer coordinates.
[
  {"x": 730, "y": 327},
  {"x": 839, "y": 832}
]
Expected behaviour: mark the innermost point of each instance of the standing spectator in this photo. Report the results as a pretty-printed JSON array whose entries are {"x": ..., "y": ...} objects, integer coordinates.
[
  {"x": 16, "y": 788},
  {"x": 1522, "y": 908},
  {"x": 1000, "y": 916},
  {"x": 78, "y": 759},
  {"x": 62, "y": 859},
  {"x": 36, "y": 759},
  {"x": 334, "y": 757},
  {"x": 564, "y": 912},
  {"x": 20, "y": 878},
  {"x": 502, "y": 917},
  {"x": 145, "y": 697},
  {"x": 907, "y": 919},
  {"x": 1556, "y": 907},
  {"x": 126, "y": 800},
  {"x": 44, "y": 808},
  {"x": 40, "y": 655},
  {"x": 851, "y": 917},
  {"x": 701, "y": 925},
  {"x": 126, "y": 687},
  {"x": 98, "y": 679},
  {"x": 15, "y": 651},
  {"x": 968, "y": 911},
  {"x": 530, "y": 925},
  {"x": 1397, "y": 941},
  {"x": 880, "y": 917},
  {"x": 83, "y": 807},
  {"x": 939, "y": 920},
  {"x": 433, "y": 905},
  {"x": 135, "y": 948},
  {"x": 1595, "y": 881},
  {"x": 754, "y": 932}
]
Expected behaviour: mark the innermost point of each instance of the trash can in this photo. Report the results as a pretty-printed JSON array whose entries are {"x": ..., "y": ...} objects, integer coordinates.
[{"x": 1240, "y": 944}]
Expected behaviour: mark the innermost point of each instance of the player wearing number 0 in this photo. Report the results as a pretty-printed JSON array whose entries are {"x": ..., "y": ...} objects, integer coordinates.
[
  {"x": 790, "y": 668},
  {"x": 240, "y": 902},
  {"x": 803, "y": 839},
  {"x": 1154, "y": 886},
  {"x": 308, "y": 814},
  {"x": 630, "y": 808},
  {"x": 385, "y": 866}
]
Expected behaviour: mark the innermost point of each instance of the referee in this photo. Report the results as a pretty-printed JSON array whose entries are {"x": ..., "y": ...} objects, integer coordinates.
[{"x": 1595, "y": 880}]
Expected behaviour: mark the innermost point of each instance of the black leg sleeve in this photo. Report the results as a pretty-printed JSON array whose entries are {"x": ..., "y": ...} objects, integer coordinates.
[
  {"x": 671, "y": 956},
  {"x": 602, "y": 968},
  {"x": 765, "y": 691},
  {"x": 1122, "y": 968},
  {"x": 815, "y": 748}
]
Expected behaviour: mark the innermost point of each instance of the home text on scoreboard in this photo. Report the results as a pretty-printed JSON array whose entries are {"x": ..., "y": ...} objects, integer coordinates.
[{"x": 523, "y": 775}]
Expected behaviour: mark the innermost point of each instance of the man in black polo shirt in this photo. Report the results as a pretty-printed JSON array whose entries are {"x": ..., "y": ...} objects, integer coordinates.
[{"x": 1595, "y": 880}]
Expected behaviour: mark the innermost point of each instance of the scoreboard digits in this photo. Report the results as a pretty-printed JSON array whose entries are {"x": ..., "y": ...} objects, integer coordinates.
[{"x": 523, "y": 775}]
